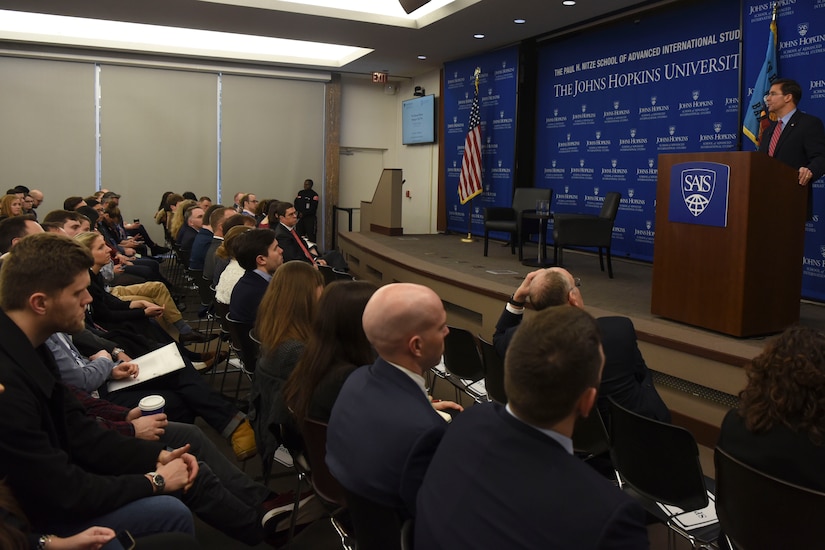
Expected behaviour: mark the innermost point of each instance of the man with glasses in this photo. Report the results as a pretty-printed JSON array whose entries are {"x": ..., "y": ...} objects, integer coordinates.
[
  {"x": 796, "y": 138},
  {"x": 626, "y": 377},
  {"x": 297, "y": 246},
  {"x": 249, "y": 203}
]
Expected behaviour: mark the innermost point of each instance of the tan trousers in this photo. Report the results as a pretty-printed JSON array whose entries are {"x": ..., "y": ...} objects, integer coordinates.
[{"x": 151, "y": 291}]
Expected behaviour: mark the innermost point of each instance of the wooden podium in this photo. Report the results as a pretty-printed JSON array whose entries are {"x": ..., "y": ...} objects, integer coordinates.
[
  {"x": 744, "y": 279},
  {"x": 383, "y": 213}
]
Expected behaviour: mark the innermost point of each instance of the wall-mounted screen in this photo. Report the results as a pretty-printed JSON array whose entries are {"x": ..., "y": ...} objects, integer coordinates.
[{"x": 418, "y": 120}]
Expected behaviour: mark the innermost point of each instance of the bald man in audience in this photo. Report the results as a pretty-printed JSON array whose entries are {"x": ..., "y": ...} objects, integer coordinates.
[
  {"x": 383, "y": 429},
  {"x": 506, "y": 477},
  {"x": 626, "y": 377}
]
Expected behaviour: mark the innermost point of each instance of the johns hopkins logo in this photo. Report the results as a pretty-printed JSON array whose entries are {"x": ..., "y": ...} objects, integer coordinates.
[
  {"x": 584, "y": 107},
  {"x": 455, "y": 74},
  {"x": 581, "y": 163},
  {"x": 630, "y": 193},
  {"x": 717, "y": 127},
  {"x": 650, "y": 163},
  {"x": 697, "y": 185},
  {"x": 504, "y": 64},
  {"x": 499, "y": 163},
  {"x": 489, "y": 91},
  {"x": 455, "y": 208},
  {"x": 633, "y": 132},
  {"x": 653, "y": 100},
  {"x": 615, "y": 105},
  {"x": 555, "y": 112},
  {"x": 613, "y": 163},
  {"x": 596, "y": 191},
  {"x": 802, "y": 29},
  {"x": 476, "y": 210},
  {"x": 822, "y": 250},
  {"x": 568, "y": 136},
  {"x": 567, "y": 190},
  {"x": 455, "y": 119},
  {"x": 648, "y": 224},
  {"x": 489, "y": 140},
  {"x": 455, "y": 164},
  {"x": 695, "y": 95},
  {"x": 553, "y": 163},
  {"x": 487, "y": 188},
  {"x": 598, "y": 134},
  {"x": 466, "y": 95},
  {"x": 501, "y": 114}
]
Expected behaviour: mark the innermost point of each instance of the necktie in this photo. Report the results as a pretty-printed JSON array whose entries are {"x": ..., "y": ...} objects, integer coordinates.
[
  {"x": 303, "y": 247},
  {"x": 775, "y": 138}
]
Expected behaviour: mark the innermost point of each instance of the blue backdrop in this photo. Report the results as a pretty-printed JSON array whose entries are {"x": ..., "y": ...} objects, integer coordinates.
[
  {"x": 610, "y": 101},
  {"x": 497, "y": 88}
]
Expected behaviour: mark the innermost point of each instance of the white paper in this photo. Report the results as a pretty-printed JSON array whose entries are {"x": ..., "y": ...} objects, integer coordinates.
[{"x": 152, "y": 365}]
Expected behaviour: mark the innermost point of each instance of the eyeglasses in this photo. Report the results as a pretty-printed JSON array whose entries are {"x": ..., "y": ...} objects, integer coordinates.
[
  {"x": 577, "y": 282},
  {"x": 771, "y": 94}
]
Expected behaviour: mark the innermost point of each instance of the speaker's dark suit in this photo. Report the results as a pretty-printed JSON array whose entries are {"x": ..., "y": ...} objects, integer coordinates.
[
  {"x": 382, "y": 434},
  {"x": 779, "y": 452},
  {"x": 496, "y": 482},
  {"x": 801, "y": 143},
  {"x": 625, "y": 378},
  {"x": 246, "y": 296}
]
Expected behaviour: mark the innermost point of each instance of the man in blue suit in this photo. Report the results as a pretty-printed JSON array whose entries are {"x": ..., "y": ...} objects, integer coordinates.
[
  {"x": 258, "y": 253},
  {"x": 506, "y": 477},
  {"x": 383, "y": 429}
]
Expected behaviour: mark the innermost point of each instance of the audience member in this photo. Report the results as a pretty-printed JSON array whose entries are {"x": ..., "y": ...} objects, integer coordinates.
[
  {"x": 166, "y": 212},
  {"x": 258, "y": 253},
  {"x": 14, "y": 229},
  {"x": 237, "y": 201},
  {"x": 178, "y": 220},
  {"x": 261, "y": 211},
  {"x": 506, "y": 477},
  {"x": 306, "y": 204},
  {"x": 28, "y": 206},
  {"x": 383, "y": 429},
  {"x": 206, "y": 236},
  {"x": 193, "y": 221},
  {"x": 73, "y": 203},
  {"x": 205, "y": 202},
  {"x": 271, "y": 218},
  {"x": 336, "y": 347},
  {"x": 283, "y": 325},
  {"x": 227, "y": 269},
  {"x": 626, "y": 377},
  {"x": 248, "y": 204},
  {"x": 216, "y": 221},
  {"x": 779, "y": 427},
  {"x": 37, "y": 200},
  {"x": 10, "y": 206},
  {"x": 190, "y": 196}
]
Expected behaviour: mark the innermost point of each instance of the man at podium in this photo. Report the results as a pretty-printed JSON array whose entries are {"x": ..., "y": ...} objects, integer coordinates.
[{"x": 796, "y": 138}]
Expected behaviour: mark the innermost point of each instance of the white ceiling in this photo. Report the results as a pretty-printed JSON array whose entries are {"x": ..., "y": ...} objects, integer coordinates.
[{"x": 394, "y": 40}]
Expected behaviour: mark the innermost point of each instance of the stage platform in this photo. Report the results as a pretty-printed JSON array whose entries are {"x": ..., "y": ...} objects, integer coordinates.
[{"x": 698, "y": 372}]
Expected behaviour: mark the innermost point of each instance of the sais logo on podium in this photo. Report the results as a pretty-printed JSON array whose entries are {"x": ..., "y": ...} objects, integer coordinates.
[{"x": 699, "y": 193}]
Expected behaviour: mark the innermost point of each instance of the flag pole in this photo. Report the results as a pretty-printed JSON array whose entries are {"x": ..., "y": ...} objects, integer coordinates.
[{"x": 470, "y": 184}]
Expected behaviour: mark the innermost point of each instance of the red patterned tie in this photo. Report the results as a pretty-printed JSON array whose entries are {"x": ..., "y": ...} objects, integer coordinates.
[
  {"x": 303, "y": 246},
  {"x": 775, "y": 138}
]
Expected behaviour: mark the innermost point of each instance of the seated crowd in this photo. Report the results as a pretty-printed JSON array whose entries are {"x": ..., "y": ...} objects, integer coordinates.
[{"x": 86, "y": 297}]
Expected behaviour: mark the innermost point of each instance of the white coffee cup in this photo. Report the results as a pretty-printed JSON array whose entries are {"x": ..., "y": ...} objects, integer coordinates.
[{"x": 152, "y": 404}]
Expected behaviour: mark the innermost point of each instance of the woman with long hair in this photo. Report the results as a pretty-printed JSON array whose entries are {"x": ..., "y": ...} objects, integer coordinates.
[
  {"x": 283, "y": 326},
  {"x": 178, "y": 218},
  {"x": 11, "y": 206},
  {"x": 227, "y": 269},
  {"x": 132, "y": 311},
  {"x": 336, "y": 346},
  {"x": 779, "y": 427}
]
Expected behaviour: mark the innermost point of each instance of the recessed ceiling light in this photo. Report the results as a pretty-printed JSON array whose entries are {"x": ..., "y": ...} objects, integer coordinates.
[
  {"x": 422, "y": 57},
  {"x": 479, "y": 36},
  {"x": 519, "y": 21},
  {"x": 569, "y": 2}
]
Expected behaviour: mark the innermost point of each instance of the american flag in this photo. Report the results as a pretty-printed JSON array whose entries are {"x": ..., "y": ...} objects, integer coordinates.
[{"x": 469, "y": 183}]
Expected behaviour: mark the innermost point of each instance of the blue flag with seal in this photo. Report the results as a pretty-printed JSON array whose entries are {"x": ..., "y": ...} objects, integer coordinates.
[{"x": 756, "y": 112}]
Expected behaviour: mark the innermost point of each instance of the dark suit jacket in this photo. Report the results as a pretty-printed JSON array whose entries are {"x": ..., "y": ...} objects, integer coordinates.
[
  {"x": 61, "y": 464},
  {"x": 802, "y": 143},
  {"x": 625, "y": 378},
  {"x": 779, "y": 452},
  {"x": 246, "y": 296},
  {"x": 292, "y": 250},
  {"x": 496, "y": 482},
  {"x": 382, "y": 434},
  {"x": 200, "y": 245}
]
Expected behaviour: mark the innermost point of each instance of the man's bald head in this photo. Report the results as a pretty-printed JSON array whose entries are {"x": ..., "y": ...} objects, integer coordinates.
[
  {"x": 406, "y": 324},
  {"x": 554, "y": 286}
]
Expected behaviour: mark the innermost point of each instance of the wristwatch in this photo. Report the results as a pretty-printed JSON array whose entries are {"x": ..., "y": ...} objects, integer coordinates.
[
  {"x": 157, "y": 480},
  {"x": 43, "y": 541},
  {"x": 116, "y": 352}
]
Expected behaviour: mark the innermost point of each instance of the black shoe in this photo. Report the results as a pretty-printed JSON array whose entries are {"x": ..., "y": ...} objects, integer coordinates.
[
  {"x": 196, "y": 337},
  {"x": 157, "y": 250}
]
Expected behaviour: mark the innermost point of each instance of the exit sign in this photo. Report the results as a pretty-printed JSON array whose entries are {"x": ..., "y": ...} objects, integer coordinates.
[{"x": 380, "y": 78}]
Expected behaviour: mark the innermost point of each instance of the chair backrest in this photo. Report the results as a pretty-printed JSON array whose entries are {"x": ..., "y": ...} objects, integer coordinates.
[
  {"x": 658, "y": 460},
  {"x": 325, "y": 485},
  {"x": 493, "y": 372},
  {"x": 590, "y": 436},
  {"x": 525, "y": 197},
  {"x": 610, "y": 206},
  {"x": 461, "y": 355},
  {"x": 239, "y": 335},
  {"x": 377, "y": 527},
  {"x": 756, "y": 510}
]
